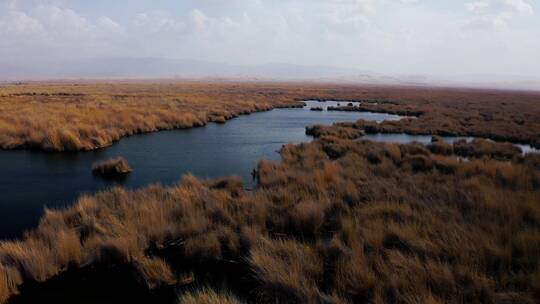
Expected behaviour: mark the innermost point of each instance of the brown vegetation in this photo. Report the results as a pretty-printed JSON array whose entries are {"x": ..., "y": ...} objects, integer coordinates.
[
  {"x": 88, "y": 115},
  {"x": 336, "y": 221},
  {"x": 483, "y": 147},
  {"x": 439, "y": 146},
  {"x": 498, "y": 115},
  {"x": 342, "y": 132},
  {"x": 208, "y": 296},
  {"x": 117, "y": 167}
]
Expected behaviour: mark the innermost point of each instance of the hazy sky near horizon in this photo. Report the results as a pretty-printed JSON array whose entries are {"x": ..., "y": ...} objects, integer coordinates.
[{"x": 435, "y": 37}]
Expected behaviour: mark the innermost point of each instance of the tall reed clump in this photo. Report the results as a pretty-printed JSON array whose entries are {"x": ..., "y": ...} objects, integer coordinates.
[
  {"x": 207, "y": 296},
  {"x": 116, "y": 167},
  {"x": 9, "y": 281}
]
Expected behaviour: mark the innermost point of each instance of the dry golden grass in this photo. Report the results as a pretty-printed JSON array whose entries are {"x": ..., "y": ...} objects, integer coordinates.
[
  {"x": 319, "y": 130},
  {"x": 4, "y": 288},
  {"x": 112, "y": 167},
  {"x": 482, "y": 147},
  {"x": 288, "y": 271},
  {"x": 34, "y": 258},
  {"x": 86, "y": 116},
  {"x": 155, "y": 272},
  {"x": 207, "y": 296},
  {"x": 9, "y": 281}
]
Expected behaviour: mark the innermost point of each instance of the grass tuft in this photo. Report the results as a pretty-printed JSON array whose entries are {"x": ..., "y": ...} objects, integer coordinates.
[
  {"x": 208, "y": 296},
  {"x": 117, "y": 167}
]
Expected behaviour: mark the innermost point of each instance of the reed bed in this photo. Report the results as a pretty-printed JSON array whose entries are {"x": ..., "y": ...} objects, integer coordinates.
[{"x": 336, "y": 221}]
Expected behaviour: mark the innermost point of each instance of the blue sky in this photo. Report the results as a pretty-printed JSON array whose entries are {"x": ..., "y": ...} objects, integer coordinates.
[{"x": 455, "y": 37}]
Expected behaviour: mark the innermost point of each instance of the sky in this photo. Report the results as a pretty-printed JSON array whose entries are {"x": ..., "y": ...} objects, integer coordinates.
[{"x": 406, "y": 37}]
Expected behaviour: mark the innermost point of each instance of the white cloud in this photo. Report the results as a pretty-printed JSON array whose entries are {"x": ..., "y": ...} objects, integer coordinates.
[
  {"x": 158, "y": 22},
  {"x": 10, "y": 4},
  {"x": 198, "y": 18},
  {"x": 53, "y": 30},
  {"x": 519, "y": 6},
  {"x": 14, "y": 23},
  {"x": 495, "y": 15},
  {"x": 109, "y": 25},
  {"x": 510, "y": 7},
  {"x": 486, "y": 23},
  {"x": 476, "y": 6}
]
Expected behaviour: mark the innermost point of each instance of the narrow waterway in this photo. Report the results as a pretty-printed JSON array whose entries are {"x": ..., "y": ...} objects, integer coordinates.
[
  {"x": 402, "y": 138},
  {"x": 31, "y": 181}
]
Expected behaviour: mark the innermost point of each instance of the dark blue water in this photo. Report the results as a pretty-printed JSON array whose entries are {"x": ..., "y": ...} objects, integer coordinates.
[{"x": 30, "y": 181}]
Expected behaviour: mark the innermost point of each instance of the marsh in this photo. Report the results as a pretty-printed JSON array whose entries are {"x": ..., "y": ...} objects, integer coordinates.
[{"x": 32, "y": 180}]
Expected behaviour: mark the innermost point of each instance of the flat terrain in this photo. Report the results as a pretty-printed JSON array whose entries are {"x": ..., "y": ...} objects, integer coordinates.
[
  {"x": 89, "y": 115},
  {"x": 337, "y": 220},
  {"x": 62, "y": 117}
]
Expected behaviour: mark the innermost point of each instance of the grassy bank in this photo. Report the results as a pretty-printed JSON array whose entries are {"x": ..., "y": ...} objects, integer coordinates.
[
  {"x": 73, "y": 117},
  {"x": 69, "y": 116},
  {"x": 336, "y": 221}
]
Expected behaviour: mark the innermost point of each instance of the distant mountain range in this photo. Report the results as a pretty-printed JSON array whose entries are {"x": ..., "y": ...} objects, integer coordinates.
[
  {"x": 139, "y": 68},
  {"x": 127, "y": 67}
]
